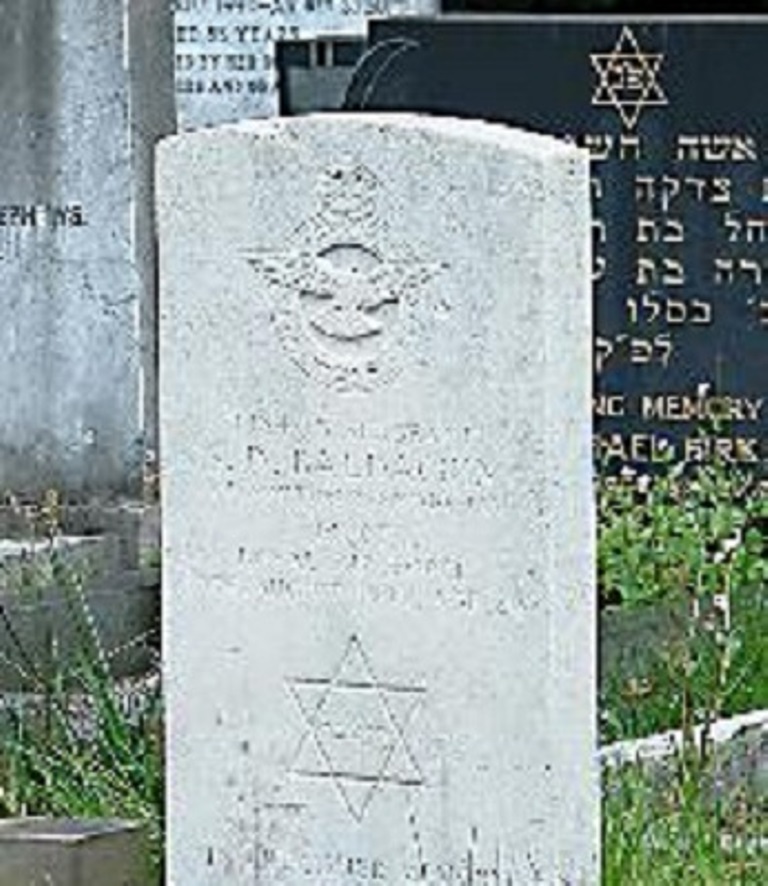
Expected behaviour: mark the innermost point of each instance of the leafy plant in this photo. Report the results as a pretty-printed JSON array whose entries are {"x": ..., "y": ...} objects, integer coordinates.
[
  {"x": 689, "y": 541},
  {"x": 696, "y": 530},
  {"x": 81, "y": 750},
  {"x": 671, "y": 828}
]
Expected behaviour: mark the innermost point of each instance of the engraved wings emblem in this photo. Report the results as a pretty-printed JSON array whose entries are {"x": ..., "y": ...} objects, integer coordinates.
[{"x": 347, "y": 292}]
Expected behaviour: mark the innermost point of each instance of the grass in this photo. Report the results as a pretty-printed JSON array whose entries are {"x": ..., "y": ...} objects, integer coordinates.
[
  {"x": 645, "y": 693},
  {"x": 671, "y": 829},
  {"x": 692, "y": 543},
  {"x": 78, "y": 750},
  {"x": 695, "y": 543},
  {"x": 693, "y": 548}
]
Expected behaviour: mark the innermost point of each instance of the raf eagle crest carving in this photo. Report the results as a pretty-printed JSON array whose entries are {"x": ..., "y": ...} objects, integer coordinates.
[{"x": 342, "y": 294}]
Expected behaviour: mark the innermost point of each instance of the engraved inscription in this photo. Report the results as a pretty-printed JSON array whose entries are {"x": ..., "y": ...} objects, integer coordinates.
[
  {"x": 356, "y": 731},
  {"x": 21, "y": 222},
  {"x": 628, "y": 78},
  {"x": 431, "y": 472},
  {"x": 225, "y": 56},
  {"x": 693, "y": 265},
  {"x": 39, "y": 215},
  {"x": 679, "y": 191}
]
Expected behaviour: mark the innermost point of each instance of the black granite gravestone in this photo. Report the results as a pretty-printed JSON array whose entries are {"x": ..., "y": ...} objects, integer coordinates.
[{"x": 675, "y": 115}]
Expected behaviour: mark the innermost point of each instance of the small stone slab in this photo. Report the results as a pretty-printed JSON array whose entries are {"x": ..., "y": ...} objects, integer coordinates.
[{"x": 71, "y": 852}]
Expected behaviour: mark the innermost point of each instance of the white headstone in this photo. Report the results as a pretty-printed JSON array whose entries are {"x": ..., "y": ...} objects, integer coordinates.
[
  {"x": 378, "y": 565},
  {"x": 225, "y": 49},
  {"x": 86, "y": 89}
]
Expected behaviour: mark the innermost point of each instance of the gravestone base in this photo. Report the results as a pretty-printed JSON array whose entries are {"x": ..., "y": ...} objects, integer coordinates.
[{"x": 71, "y": 852}]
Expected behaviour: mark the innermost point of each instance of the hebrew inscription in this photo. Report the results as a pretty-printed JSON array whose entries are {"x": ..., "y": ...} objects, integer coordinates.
[
  {"x": 356, "y": 730},
  {"x": 676, "y": 133}
]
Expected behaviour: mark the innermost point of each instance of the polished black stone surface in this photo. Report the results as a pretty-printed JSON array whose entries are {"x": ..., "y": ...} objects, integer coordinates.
[{"x": 675, "y": 115}]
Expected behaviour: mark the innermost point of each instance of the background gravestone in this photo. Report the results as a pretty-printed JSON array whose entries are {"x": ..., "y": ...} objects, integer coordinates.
[
  {"x": 225, "y": 49},
  {"x": 677, "y": 132},
  {"x": 378, "y": 570},
  {"x": 85, "y": 91},
  {"x": 72, "y": 852}
]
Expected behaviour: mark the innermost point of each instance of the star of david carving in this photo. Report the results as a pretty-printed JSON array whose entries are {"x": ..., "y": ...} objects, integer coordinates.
[
  {"x": 628, "y": 78},
  {"x": 356, "y": 731}
]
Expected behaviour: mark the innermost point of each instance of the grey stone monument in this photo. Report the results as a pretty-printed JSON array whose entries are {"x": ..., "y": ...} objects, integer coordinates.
[
  {"x": 225, "y": 49},
  {"x": 72, "y": 852},
  {"x": 86, "y": 89},
  {"x": 378, "y": 564}
]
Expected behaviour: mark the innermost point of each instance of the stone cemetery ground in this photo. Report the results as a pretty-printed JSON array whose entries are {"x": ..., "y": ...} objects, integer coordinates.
[{"x": 682, "y": 560}]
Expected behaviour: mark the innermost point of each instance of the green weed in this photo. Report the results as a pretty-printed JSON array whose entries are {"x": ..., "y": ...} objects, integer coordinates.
[{"x": 79, "y": 750}]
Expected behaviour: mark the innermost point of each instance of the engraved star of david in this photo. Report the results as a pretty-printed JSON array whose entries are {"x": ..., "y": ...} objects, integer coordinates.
[
  {"x": 628, "y": 78},
  {"x": 356, "y": 727}
]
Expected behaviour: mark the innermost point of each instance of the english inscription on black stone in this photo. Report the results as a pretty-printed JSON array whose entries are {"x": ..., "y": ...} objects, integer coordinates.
[{"x": 675, "y": 116}]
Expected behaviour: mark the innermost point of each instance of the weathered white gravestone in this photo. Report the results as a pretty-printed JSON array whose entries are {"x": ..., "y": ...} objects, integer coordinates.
[
  {"x": 378, "y": 577},
  {"x": 86, "y": 89},
  {"x": 225, "y": 49}
]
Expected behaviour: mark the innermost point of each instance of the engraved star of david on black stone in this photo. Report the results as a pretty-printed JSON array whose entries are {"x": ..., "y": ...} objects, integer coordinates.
[
  {"x": 628, "y": 78},
  {"x": 356, "y": 727}
]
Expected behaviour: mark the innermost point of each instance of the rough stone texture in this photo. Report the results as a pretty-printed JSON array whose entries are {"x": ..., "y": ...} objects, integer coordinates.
[
  {"x": 85, "y": 91},
  {"x": 225, "y": 49},
  {"x": 378, "y": 565},
  {"x": 71, "y": 852}
]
